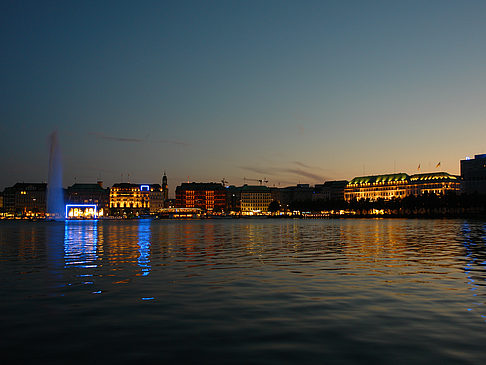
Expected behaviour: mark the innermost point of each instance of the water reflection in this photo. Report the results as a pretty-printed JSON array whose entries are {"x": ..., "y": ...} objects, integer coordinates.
[
  {"x": 144, "y": 244},
  {"x": 474, "y": 241},
  {"x": 80, "y": 244}
]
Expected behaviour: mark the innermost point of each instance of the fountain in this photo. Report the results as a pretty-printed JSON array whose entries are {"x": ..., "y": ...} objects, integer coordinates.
[{"x": 55, "y": 193}]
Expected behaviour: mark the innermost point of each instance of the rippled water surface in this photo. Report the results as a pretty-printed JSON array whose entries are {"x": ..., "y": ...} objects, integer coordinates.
[{"x": 243, "y": 291}]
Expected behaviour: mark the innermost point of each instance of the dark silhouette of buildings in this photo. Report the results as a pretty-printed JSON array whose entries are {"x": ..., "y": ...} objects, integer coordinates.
[
  {"x": 330, "y": 190},
  {"x": 165, "y": 191},
  {"x": 473, "y": 175},
  {"x": 25, "y": 199}
]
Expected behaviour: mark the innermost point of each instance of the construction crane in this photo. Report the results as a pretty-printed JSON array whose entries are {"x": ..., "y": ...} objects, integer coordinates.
[{"x": 261, "y": 181}]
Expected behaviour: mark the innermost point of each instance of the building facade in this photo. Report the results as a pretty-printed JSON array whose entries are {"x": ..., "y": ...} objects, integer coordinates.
[
  {"x": 255, "y": 199},
  {"x": 90, "y": 194},
  {"x": 209, "y": 197},
  {"x": 434, "y": 183},
  {"x": 377, "y": 186},
  {"x": 130, "y": 199},
  {"x": 400, "y": 185},
  {"x": 26, "y": 199},
  {"x": 330, "y": 190},
  {"x": 156, "y": 198},
  {"x": 473, "y": 175}
]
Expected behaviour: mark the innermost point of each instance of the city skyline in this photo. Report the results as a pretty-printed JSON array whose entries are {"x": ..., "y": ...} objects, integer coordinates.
[{"x": 283, "y": 91}]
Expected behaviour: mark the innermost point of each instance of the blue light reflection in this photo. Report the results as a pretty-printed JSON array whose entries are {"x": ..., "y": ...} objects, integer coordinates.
[
  {"x": 474, "y": 242},
  {"x": 80, "y": 244},
  {"x": 144, "y": 245}
]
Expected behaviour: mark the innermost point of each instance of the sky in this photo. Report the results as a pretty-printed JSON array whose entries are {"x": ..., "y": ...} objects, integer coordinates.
[{"x": 287, "y": 91}]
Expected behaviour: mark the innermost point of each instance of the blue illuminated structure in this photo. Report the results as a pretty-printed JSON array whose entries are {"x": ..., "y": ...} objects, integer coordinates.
[
  {"x": 81, "y": 211},
  {"x": 144, "y": 187}
]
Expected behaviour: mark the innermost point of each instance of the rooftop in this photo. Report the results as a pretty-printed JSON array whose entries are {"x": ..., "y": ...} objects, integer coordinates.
[
  {"x": 379, "y": 179},
  {"x": 433, "y": 176}
]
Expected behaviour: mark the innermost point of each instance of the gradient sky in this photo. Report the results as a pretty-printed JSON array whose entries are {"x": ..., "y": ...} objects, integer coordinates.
[{"x": 291, "y": 91}]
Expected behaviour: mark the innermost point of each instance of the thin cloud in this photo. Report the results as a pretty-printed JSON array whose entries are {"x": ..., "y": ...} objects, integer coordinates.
[
  {"x": 257, "y": 170},
  {"x": 308, "y": 167},
  {"x": 118, "y": 139},
  {"x": 137, "y": 140},
  {"x": 180, "y": 143},
  {"x": 272, "y": 171},
  {"x": 301, "y": 164},
  {"x": 307, "y": 174}
]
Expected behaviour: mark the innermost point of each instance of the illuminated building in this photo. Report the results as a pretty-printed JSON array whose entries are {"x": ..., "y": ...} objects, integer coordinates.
[
  {"x": 90, "y": 194},
  {"x": 400, "y": 185},
  {"x": 436, "y": 183},
  {"x": 81, "y": 211},
  {"x": 205, "y": 196},
  {"x": 26, "y": 199},
  {"x": 378, "y": 186},
  {"x": 255, "y": 199},
  {"x": 156, "y": 198},
  {"x": 473, "y": 174},
  {"x": 134, "y": 199}
]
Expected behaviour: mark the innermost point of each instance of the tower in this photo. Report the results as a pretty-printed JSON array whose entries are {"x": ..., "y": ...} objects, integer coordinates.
[{"x": 165, "y": 189}]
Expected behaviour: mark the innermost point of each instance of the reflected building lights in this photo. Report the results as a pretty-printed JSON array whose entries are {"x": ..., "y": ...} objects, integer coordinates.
[
  {"x": 80, "y": 244},
  {"x": 144, "y": 246},
  {"x": 475, "y": 264}
]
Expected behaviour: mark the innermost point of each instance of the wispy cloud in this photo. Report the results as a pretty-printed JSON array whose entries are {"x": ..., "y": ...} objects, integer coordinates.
[
  {"x": 258, "y": 170},
  {"x": 305, "y": 171},
  {"x": 307, "y": 174},
  {"x": 301, "y": 164},
  {"x": 136, "y": 140},
  {"x": 118, "y": 139},
  {"x": 180, "y": 143}
]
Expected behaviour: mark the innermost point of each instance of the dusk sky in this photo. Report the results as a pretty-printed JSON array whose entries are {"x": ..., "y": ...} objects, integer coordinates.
[{"x": 288, "y": 91}]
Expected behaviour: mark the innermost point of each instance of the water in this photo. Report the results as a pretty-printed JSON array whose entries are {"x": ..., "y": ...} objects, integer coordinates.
[{"x": 244, "y": 291}]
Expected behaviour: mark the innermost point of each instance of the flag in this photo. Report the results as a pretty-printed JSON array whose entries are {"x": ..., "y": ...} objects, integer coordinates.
[
  {"x": 418, "y": 168},
  {"x": 438, "y": 165}
]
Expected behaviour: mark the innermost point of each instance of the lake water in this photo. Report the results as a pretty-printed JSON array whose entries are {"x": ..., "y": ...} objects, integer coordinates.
[{"x": 351, "y": 291}]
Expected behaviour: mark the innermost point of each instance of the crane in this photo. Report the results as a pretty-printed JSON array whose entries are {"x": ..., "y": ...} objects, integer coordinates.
[{"x": 261, "y": 181}]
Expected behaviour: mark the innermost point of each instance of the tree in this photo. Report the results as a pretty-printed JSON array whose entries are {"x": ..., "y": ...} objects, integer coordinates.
[{"x": 274, "y": 207}]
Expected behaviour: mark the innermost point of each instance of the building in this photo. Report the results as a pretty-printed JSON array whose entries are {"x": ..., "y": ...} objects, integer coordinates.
[
  {"x": 330, "y": 190},
  {"x": 233, "y": 199},
  {"x": 400, "y": 185},
  {"x": 377, "y": 186},
  {"x": 91, "y": 194},
  {"x": 134, "y": 199},
  {"x": 255, "y": 199},
  {"x": 473, "y": 174},
  {"x": 157, "y": 199},
  {"x": 26, "y": 199},
  {"x": 434, "y": 183},
  {"x": 165, "y": 190},
  {"x": 209, "y": 197},
  {"x": 298, "y": 193}
]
